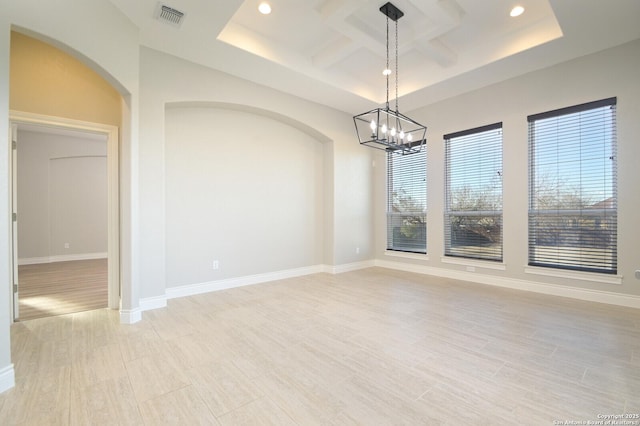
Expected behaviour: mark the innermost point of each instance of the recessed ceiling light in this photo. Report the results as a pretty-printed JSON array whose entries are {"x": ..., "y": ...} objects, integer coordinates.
[
  {"x": 516, "y": 11},
  {"x": 264, "y": 8}
]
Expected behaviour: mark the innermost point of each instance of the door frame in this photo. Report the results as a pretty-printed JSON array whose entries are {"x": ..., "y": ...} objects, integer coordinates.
[
  {"x": 15, "y": 302},
  {"x": 113, "y": 200}
]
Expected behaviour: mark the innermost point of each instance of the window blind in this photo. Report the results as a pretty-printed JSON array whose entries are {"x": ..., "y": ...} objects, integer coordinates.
[
  {"x": 573, "y": 188},
  {"x": 473, "y": 193},
  {"x": 407, "y": 202}
]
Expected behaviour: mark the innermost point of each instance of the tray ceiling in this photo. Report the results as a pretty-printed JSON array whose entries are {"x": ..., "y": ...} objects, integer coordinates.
[{"x": 333, "y": 51}]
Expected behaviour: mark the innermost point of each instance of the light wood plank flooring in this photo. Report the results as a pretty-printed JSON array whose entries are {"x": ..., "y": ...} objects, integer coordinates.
[
  {"x": 48, "y": 289},
  {"x": 371, "y": 347}
]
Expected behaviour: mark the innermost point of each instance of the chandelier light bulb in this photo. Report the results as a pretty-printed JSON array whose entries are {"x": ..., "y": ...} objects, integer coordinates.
[
  {"x": 393, "y": 131},
  {"x": 387, "y": 71},
  {"x": 373, "y": 125},
  {"x": 401, "y": 134},
  {"x": 384, "y": 128},
  {"x": 409, "y": 137}
]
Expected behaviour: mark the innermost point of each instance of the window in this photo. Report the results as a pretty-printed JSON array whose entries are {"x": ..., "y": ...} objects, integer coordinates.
[
  {"x": 407, "y": 202},
  {"x": 572, "y": 188},
  {"x": 473, "y": 204}
]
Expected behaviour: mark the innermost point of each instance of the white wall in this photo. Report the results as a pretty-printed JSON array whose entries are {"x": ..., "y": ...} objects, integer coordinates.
[
  {"x": 243, "y": 189},
  {"x": 342, "y": 176},
  {"x": 62, "y": 196},
  {"x": 97, "y": 33},
  {"x": 613, "y": 72}
]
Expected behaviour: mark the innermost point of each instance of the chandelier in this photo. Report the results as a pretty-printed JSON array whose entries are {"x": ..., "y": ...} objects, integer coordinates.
[{"x": 385, "y": 128}]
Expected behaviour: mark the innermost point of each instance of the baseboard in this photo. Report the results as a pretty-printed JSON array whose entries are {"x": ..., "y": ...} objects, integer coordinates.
[
  {"x": 130, "y": 316},
  {"x": 157, "y": 302},
  {"x": 7, "y": 378},
  {"x": 193, "y": 289},
  {"x": 150, "y": 303},
  {"x": 61, "y": 258},
  {"x": 518, "y": 284},
  {"x": 348, "y": 267}
]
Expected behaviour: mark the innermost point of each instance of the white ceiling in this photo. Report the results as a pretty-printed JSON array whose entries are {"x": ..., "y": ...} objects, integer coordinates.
[{"x": 333, "y": 51}]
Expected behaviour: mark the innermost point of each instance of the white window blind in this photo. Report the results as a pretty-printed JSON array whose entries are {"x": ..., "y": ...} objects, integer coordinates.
[
  {"x": 407, "y": 202},
  {"x": 473, "y": 204},
  {"x": 573, "y": 189}
]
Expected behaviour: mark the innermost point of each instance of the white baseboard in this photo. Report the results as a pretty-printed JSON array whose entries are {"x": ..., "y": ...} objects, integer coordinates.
[
  {"x": 193, "y": 289},
  {"x": 200, "y": 288},
  {"x": 130, "y": 316},
  {"x": 61, "y": 258},
  {"x": 150, "y": 303},
  {"x": 348, "y": 267},
  {"x": 156, "y": 302},
  {"x": 7, "y": 378},
  {"x": 518, "y": 284}
]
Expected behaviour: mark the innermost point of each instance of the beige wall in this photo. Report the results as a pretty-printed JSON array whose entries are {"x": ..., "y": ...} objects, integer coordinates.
[{"x": 48, "y": 81}]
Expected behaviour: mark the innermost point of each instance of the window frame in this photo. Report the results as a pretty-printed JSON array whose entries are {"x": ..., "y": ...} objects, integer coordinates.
[
  {"x": 471, "y": 214},
  {"x": 394, "y": 220},
  {"x": 582, "y": 255}
]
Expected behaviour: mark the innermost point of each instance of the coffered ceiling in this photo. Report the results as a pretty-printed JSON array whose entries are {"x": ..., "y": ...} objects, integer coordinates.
[{"x": 333, "y": 51}]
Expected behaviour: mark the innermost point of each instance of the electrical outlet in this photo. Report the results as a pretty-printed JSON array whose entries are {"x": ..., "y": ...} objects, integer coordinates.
[
  {"x": 638, "y": 274},
  {"x": 216, "y": 264},
  {"x": 357, "y": 250},
  {"x": 66, "y": 245}
]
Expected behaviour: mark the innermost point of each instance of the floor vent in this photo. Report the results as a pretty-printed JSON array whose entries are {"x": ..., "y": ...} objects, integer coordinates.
[{"x": 169, "y": 15}]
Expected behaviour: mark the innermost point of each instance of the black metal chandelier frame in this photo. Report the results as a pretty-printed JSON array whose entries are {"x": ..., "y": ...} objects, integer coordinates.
[{"x": 386, "y": 128}]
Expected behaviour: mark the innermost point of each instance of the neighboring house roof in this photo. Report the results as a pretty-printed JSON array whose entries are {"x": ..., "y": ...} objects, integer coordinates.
[{"x": 608, "y": 203}]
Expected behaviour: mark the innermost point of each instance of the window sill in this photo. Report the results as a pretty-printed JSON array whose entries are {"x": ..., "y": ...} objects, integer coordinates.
[
  {"x": 574, "y": 275},
  {"x": 474, "y": 263},
  {"x": 406, "y": 255}
]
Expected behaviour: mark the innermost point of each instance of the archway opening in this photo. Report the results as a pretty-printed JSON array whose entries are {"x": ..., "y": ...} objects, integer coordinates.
[{"x": 53, "y": 90}]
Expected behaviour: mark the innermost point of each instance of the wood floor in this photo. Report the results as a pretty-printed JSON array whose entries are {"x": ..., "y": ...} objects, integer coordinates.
[
  {"x": 59, "y": 288},
  {"x": 371, "y": 347}
]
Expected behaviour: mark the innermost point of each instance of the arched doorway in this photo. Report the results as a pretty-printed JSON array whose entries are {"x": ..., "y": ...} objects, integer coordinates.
[{"x": 69, "y": 90}]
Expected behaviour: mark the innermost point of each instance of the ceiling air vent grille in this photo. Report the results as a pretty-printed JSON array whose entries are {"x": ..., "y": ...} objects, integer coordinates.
[{"x": 169, "y": 15}]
